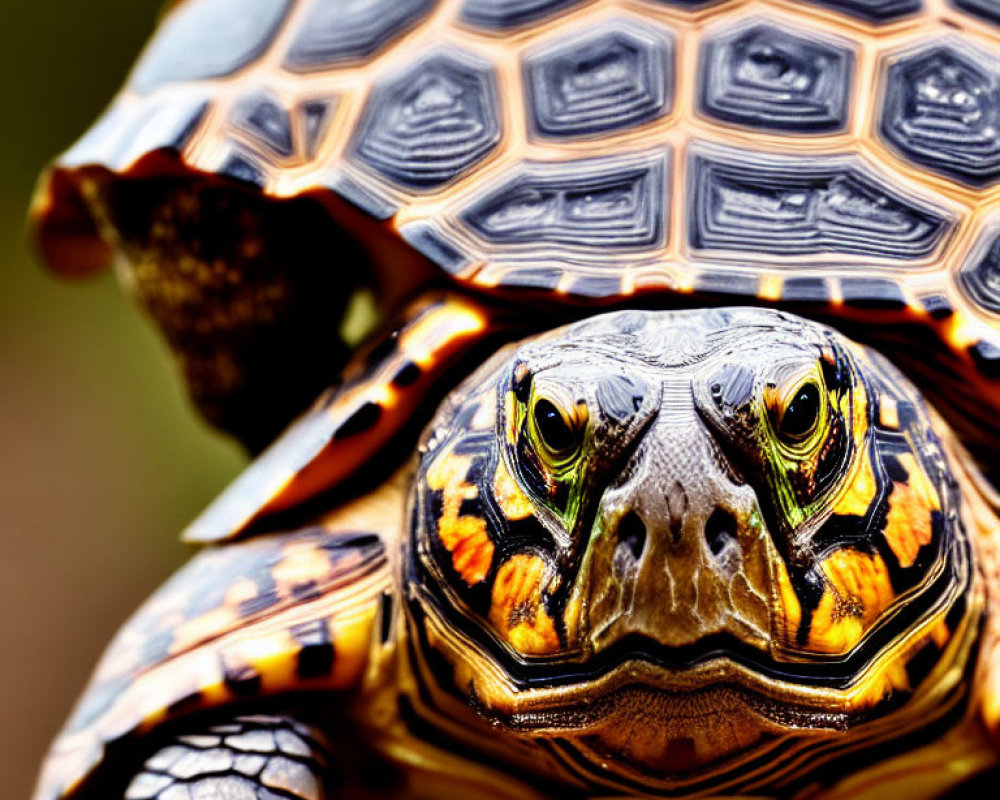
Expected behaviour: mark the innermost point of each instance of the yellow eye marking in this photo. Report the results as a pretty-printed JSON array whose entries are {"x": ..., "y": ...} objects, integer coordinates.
[
  {"x": 465, "y": 537},
  {"x": 908, "y": 523},
  {"x": 512, "y": 501},
  {"x": 517, "y": 612}
]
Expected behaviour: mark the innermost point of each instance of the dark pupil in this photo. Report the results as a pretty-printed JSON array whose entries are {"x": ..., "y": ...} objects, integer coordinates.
[
  {"x": 555, "y": 433},
  {"x": 801, "y": 414}
]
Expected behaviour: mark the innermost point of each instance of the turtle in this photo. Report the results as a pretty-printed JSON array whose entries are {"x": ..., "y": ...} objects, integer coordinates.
[
  {"x": 695, "y": 553},
  {"x": 486, "y": 170}
]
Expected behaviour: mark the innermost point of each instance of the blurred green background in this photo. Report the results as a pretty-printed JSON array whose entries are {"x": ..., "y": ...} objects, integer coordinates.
[{"x": 102, "y": 460}]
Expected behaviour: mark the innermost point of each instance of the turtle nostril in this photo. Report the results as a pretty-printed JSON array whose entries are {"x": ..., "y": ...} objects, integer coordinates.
[
  {"x": 720, "y": 531},
  {"x": 631, "y": 540}
]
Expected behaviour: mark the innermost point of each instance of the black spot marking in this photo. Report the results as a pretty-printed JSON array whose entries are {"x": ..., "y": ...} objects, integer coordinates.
[
  {"x": 363, "y": 419},
  {"x": 766, "y": 77},
  {"x": 385, "y": 617},
  {"x": 804, "y": 205},
  {"x": 428, "y": 242},
  {"x": 208, "y": 39},
  {"x": 596, "y": 203},
  {"x": 335, "y": 32},
  {"x": 316, "y": 657},
  {"x": 937, "y": 305},
  {"x": 503, "y": 14},
  {"x": 872, "y": 293},
  {"x": 611, "y": 79},
  {"x": 894, "y": 469},
  {"x": 242, "y": 680},
  {"x": 942, "y": 110},
  {"x": 872, "y": 10},
  {"x": 428, "y": 124},
  {"x": 406, "y": 375},
  {"x": 263, "y": 118},
  {"x": 383, "y": 351}
]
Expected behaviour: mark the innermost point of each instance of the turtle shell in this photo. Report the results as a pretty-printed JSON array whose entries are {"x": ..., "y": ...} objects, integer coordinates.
[{"x": 836, "y": 157}]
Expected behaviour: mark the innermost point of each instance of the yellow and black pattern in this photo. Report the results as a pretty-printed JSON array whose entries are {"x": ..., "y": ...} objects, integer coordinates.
[
  {"x": 870, "y": 604},
  {"x": 280, "y": 613}
]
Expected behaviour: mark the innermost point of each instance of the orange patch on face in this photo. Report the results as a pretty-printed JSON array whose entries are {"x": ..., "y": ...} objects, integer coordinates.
[
  {"x": 861, "y": 489},
  {"x": 858, "y": 591},
  {"x": 465, "y": 537},
  {"x": 517, "y": 611},
  {"x": 512, "y": 501},
  {"x": 908, "y": 523}
]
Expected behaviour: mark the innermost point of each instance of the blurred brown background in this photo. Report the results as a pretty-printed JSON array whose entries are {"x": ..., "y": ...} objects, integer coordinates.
[{"x": 101, "y": 459}]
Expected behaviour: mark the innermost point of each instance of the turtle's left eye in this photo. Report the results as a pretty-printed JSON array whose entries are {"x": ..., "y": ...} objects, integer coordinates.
[
  {"x": 801, "y": 414},
  {"x": 556, "y": 431}
]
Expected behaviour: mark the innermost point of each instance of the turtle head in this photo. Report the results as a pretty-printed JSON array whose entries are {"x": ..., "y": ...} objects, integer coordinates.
[{"x": 664, "y": 541}]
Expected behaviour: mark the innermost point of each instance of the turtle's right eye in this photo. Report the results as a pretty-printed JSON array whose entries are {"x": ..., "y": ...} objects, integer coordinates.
[{"x": 555, "y": 430}]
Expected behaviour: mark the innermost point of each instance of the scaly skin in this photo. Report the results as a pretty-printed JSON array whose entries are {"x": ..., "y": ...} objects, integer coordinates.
[{"x": 636, "y": 555}]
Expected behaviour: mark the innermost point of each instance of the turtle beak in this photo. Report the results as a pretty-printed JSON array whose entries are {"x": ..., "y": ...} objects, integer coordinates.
[{"x": 678, "y": 553}]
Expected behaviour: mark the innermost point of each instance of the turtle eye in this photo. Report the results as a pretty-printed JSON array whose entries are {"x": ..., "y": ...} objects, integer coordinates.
[
  {"x": 801, "y": 414},
  {"x": 555, "y": 432}
]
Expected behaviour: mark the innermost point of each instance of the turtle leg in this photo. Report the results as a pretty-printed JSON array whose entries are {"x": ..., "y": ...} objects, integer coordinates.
[
  {"x": 388, "y": 391},
  {"x": 248, "y": 758}
]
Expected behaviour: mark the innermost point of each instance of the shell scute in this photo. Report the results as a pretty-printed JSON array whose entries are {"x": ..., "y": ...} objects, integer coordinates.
[
  {"x": 235, "y": 622},
  {"x": 333, "y": 33},
  {"x": 616, "y": 77},
  {"x": 266, "y": 120},
  {"x": 765, "y": 76},
  {"x": 980, "y": 275},
  {"x": 208, "y": 39},
  {"x": 504, "y": 14},
  {"x": 833, "y": 206},
  {"x": 942, "y": 110},
  {"x": 432, "y": 121},
  {"x": 589, "y": 206}
]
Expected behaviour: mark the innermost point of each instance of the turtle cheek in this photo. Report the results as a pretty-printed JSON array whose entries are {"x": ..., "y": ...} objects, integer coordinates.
[
  {"x": 519, "y": 605},
  {"x": 834, "y": 605}
]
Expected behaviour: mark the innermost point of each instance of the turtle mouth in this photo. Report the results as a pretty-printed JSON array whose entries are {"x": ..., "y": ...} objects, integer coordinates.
[{"x": 715, "y": 655}]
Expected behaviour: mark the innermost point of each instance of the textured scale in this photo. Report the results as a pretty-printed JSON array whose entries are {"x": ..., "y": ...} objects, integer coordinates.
[{"x": 774, "y": 153}]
